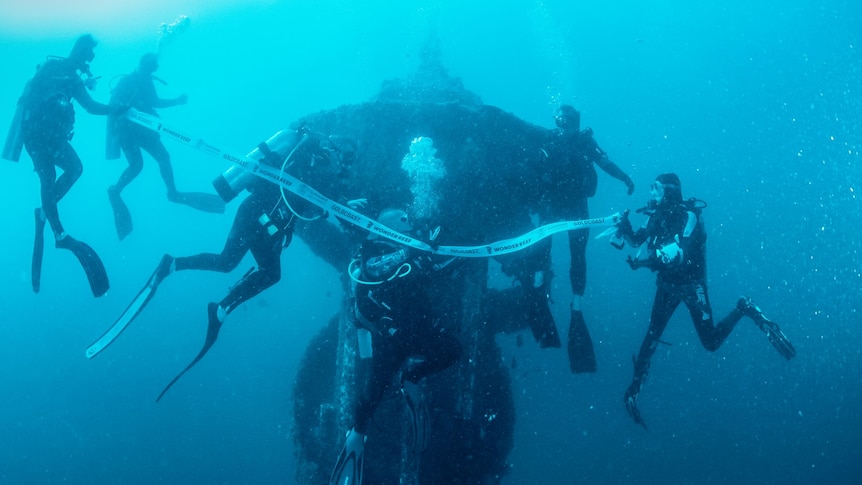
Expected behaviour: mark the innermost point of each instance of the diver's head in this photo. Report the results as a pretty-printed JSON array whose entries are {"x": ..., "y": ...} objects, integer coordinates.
[
  {"x": 83, "y": 51},
  {"x": 395, "y": 219},
  {"x": 666, "y": 190},
  {"x": 149, "y": 63},
  {"x": 568, "y": 118},
  {"x": 341, "y": 150}
]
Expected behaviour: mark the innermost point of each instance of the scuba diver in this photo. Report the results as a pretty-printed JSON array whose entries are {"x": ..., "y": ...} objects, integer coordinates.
[
  {"x": 676, "y": 250},
  {"x": 137, "y": 90},
  {"x": 263, "y": 225},
  {"x": 407, "y": 342},
  {"x": 566, "y": 179},
  {"x": 47, "y": 122}
]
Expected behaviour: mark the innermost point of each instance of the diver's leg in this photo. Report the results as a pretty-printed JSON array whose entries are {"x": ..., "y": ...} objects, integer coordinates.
[
  {"x": 43, "y": 163},
  {"x": 578, "y": 251},
  {"x": 664, "y": 305},
  {"x": 234, "y": 249},
  {"x": 438, "y": 350},
  {"x": 267, "y": 253},
  {"x": 224, "y": 262},
  {"x": 154, "y": 146},
  {"x": 135, "y": 158},
  {"x": 578, "y": 267},
  {"x": 201, "y": 201},
  {"x": 68, "y": 161},
  {"x": 385, "y": 363},
  {"x": 696, "y": 298},
  {"x": 582, "y": 354}
]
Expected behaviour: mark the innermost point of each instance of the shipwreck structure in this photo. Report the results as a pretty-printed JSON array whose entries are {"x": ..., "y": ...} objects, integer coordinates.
[{"x": 481, "y": 158}]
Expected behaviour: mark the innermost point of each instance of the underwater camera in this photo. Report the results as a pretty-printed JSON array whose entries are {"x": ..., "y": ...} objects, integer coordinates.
[{"x": 273, "y": 152}]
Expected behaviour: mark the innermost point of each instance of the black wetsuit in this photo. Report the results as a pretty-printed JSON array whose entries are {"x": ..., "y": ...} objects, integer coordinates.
[
  {"x": 566, "y": 179},
  {"x": 47, "y": 129},
  {"x": 138, "y": 91},
  {"x": 264, "y": 226},
  {"x": 682, "y": 281},
  {"x": 400, "y": 316}
]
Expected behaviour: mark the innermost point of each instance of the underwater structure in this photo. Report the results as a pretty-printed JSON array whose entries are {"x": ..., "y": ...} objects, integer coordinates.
[{"x": 428, "y": 145}]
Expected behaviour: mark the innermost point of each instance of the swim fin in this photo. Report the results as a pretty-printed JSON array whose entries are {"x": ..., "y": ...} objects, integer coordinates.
[
  {"x": 213, "y": 327},
  {"x": 122, "y": 216},
  {"x": 631, "y": 401},
  {"x": 134, "y": 309},
  {"x": 776, "y": 337},
  {"x": 90, "y": 262},
  {"x": 200, "y": 201},
  {"x": 38, "y": 251},
  {"x": 420, "y": 419},
  {"x": 351, "y": 461},
  {"x": 541, "y": 320},
  {"x": 771, "y": 329},
  {"x": 582, "y": 356}
]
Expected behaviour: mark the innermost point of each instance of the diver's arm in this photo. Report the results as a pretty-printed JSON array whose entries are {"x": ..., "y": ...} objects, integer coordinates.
[
  {"x": 600, "y": 158},
  {"x": 92, "y": 106},
  {"x": 628, "y": 234},
  {"x": 636, "y": 238},
  {"x": 643, "y": 259},
  {"x": 167, "y": 103},
  {"x": 616, "y": 172}
]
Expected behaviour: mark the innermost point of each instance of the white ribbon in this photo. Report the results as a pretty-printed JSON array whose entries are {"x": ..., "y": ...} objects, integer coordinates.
[{"x": 345, "y": 213}]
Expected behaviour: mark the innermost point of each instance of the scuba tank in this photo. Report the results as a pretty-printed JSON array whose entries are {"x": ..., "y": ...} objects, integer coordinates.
[
  {"x": 14, "y": 137},
  {"x": 235, "y": 179}
]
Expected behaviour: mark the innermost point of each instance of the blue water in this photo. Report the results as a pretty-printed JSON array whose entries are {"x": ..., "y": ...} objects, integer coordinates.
[{"x": 757, "y": 108}]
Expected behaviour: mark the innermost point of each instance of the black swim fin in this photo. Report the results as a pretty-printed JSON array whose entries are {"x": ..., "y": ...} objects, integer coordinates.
[
  {"x": 541, "y": 320},
  {"x": 351, "y": 461},
  {"x": 420, "y": 419},
  {"x": 38, "y": 251},
  {"x": 776, "y": 337},
  {"x": 200, "y": 201},
  {"x": 134, "y": 309},
  {"x": 122, "y": 216},
  {"x": 771, "y": 329},
  {"x": 582, "y": 356},
  {"x": 90, "y": 262},
  {"x": 213, "y": 327},
  {"x": 631, "y": 401}
]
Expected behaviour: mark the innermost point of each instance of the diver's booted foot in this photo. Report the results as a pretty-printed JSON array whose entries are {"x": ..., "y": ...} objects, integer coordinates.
[
  {"x": 749, "y": 309},
  {"x": 771, "y": 329},
  {"x": 215, "y": 316},
  {"x": 163, "y": 270},
  {"x": 64, "y": 241}
]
